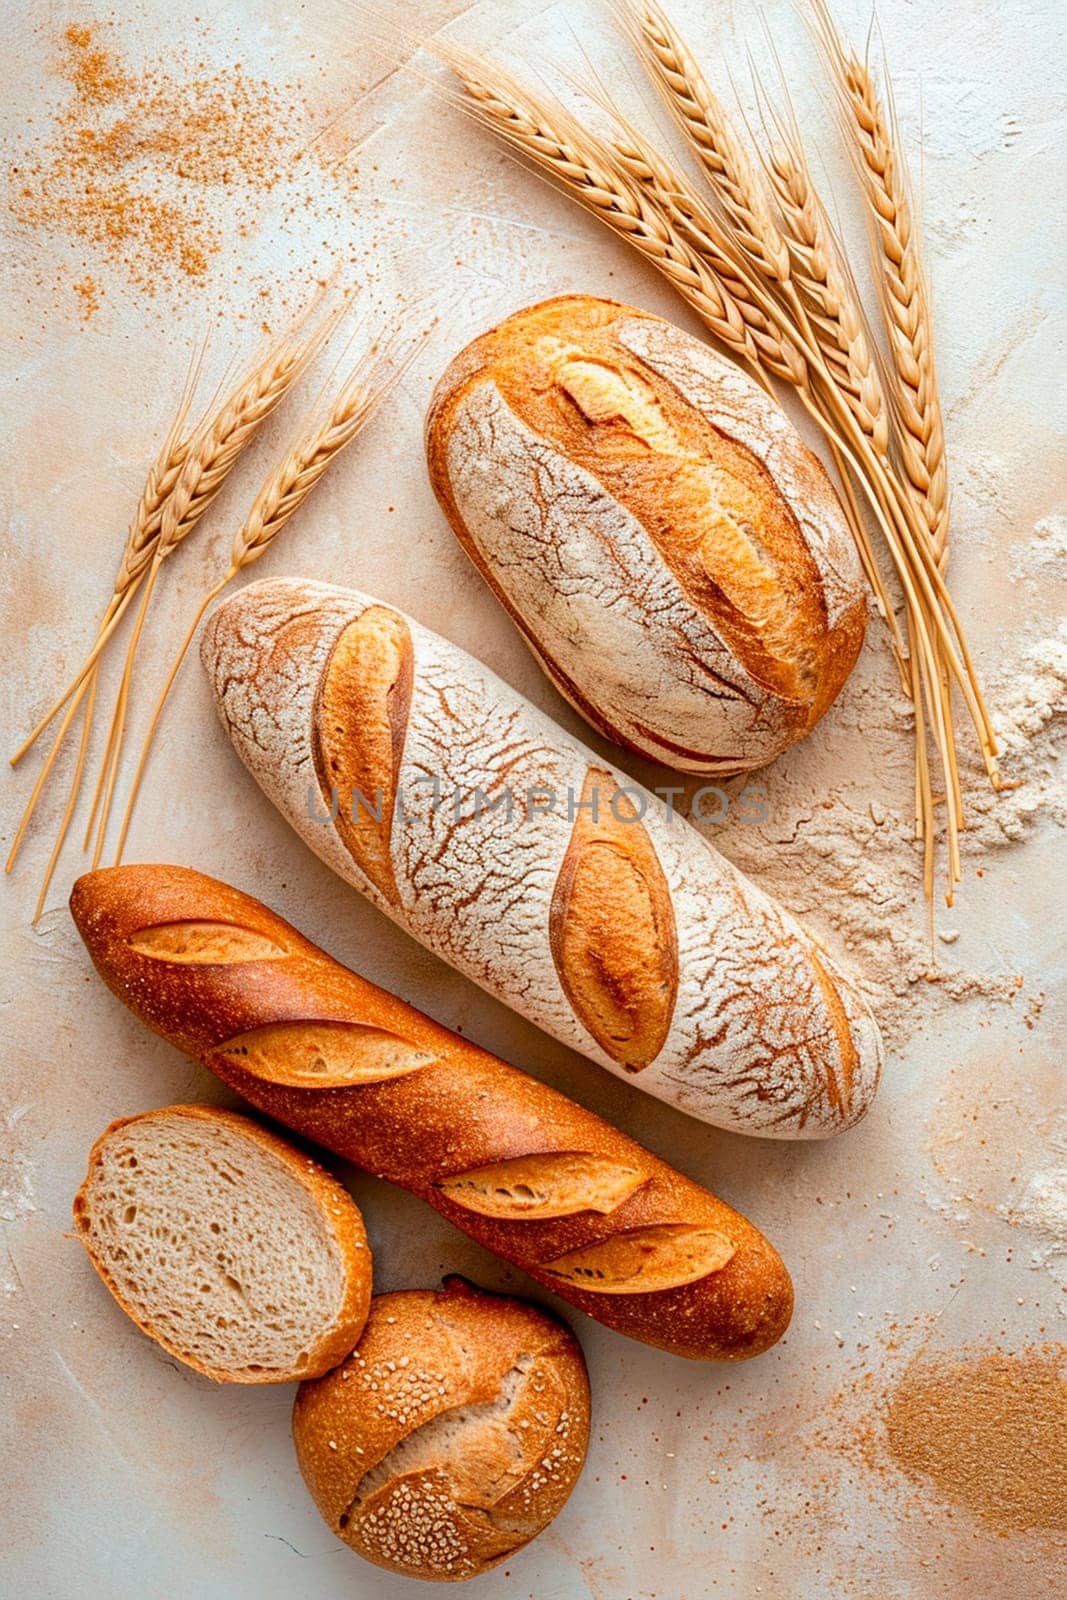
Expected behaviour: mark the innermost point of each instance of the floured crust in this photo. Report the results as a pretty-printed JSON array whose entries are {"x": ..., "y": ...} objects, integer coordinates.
[
  {"x": 452, "y": 1434},
  {"x": 337, "y": 1212},
  {"x": 673, "y": 552},
  {"x": 763, "y": 1034}
]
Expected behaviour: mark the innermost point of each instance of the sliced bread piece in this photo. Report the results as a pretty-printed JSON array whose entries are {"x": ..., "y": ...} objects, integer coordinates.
[{"x": 233, "y": 1250}]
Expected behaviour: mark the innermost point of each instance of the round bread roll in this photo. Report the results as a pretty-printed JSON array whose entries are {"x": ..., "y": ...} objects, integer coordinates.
[
  {"x": 674, "y": 554},
  {"x": 451, "y": 1436},
  {"x": 230, "y": 1248}
]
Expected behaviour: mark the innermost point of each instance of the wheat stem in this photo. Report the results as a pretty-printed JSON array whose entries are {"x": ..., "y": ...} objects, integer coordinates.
[
  {"x": 72, "y": 799},
  {"x": 214, "y": 448},
  {"x": 325, "y": 434},
  {"x": 42, "y": 776},
  {"x": 160, "y": 703}
]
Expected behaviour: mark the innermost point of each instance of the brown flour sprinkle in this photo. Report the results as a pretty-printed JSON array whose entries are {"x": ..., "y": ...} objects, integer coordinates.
[
  {"x": 148, "y": 169},
  {"x": 989, "y": 1431}
]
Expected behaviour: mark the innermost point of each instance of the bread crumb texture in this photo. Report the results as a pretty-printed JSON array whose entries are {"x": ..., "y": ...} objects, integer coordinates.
[{"x": 209, "y": 1241}]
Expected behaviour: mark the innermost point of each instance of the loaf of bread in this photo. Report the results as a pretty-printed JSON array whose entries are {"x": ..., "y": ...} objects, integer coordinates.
[
  {"x": 229, "y": 1248},
  {"x": 451, "y": 1436},
  {"x": 525, "y": 1171},
  {"x": 537, "y": 869},
  {"x": 673, "y": 552}
]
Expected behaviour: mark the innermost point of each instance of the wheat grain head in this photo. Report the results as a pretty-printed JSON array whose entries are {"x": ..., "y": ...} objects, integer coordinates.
[
  {"x": 708, "y": 130},
  {"x": 873, "y": 140}
]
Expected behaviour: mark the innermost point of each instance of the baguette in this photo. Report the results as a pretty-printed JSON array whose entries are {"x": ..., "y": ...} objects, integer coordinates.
[
  {"x": 451, "y": 1436},
  {"x": 533, "y": 866},
  {"x": 672, "y": 551},
  {"x": 529, "y": 1174},
  {"x": 229, "y": 1248}
]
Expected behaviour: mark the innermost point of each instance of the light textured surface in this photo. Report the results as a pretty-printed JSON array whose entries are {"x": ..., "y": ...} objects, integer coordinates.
[{"x": 946, "y": 1204}]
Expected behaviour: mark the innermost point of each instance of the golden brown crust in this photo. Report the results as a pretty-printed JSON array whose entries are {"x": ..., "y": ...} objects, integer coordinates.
[
  {"x": 339, "y": 1213},
  {"x": 611, "y": 927},
  {"x": 596, "y": 418},
  {"x": 360, "y": 723},
  {"x": 452, "y": 1434},
  {"x": 461, "y": 1112}
]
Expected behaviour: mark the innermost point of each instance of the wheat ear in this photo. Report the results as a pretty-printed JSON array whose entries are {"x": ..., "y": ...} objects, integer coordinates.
[
  {"x": 583, "y": 165},
  {"x": 140, "y": 540},
  {"x": 872, "y": 138},
  {"x": 215, "y": 447},
  {"x": 707, "y": 128},
  {"x": 143, "y": 530},
  {"x": 325, "y": 434},
  {"x": 788, "y": 348}
]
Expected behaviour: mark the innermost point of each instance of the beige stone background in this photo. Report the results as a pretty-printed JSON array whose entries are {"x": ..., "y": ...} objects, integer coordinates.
[{"x": 936, "y": 1224}]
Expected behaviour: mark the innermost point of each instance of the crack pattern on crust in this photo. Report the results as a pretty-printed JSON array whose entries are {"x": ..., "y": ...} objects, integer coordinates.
[
  {"x": 764, "y": 1034},
  {"x": 730, "y": 401},
  {"x": 674, "y": 554},
  {"x": 558, "y": 539}
]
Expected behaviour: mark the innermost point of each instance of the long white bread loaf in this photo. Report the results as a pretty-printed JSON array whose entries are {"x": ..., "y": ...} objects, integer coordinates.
[{"x": 622, "y": 933}]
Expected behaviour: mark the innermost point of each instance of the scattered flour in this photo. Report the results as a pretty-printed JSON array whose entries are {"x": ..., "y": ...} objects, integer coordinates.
[
  {"x": 1047, "y": 548},
  {"x": 851, "y": 868}
]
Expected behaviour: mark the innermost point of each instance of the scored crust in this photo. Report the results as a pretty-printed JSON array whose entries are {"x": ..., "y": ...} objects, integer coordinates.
[
  {"x": 755, "y": 1039},
  {"x": 336, "y": 1213},
  {"x": 622, "y": 990},
  {"x": 674, "y": 554},
  {"x": 360, "y": 723},
  {"x": 528, "y": 1173},
  {"x": 452, "y": 1434}
]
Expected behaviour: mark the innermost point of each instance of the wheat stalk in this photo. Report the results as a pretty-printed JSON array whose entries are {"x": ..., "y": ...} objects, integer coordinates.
[
  {"x": 642, "y": 198},
  {"x": 140, "y": 541},
  {"x": 685, "y": 213},
  {"x": 142, "y": 532},
  {"x": 325, "y": 433},
  {"x": 825, "y": 286},
  {"x": 214, "y": 448},
  {"x": 872, "y": 137},
  {"x": 584, "y": 166},
  {"x": 708, "y": 129},
  {"x": 832, "y": 310}
]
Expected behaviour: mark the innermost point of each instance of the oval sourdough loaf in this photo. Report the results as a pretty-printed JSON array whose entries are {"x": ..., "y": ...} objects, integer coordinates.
[
  {"x": 673, "y": 552},
  {"x": 610, "y": 924},
  {"x": 227, "y": 1246},
  {"x": 451, "y": 1436},
  {"x": 522, "y": 1169}
]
